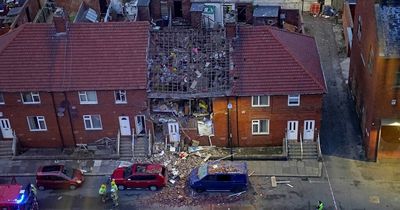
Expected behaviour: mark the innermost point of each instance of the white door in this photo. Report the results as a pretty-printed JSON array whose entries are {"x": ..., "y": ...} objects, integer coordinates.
[
  {"x": 173, "y": 131},
  {"x": 292, "y": 129},
  {"x": 124, "y": 126},
  {"x": 6, "y": 128},
  {"x": 140, "y": 125},
  {"x": 309, "y": 129}
]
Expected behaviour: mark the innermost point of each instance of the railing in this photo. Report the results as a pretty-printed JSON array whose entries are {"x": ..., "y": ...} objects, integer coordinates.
[
  {"x": 150, "y": 144},
  {"x": 286, "y": 145},
  {"x": 14, "y": 147},
  {"x": 133, "y": 143},
  {"x": 118, "y": 142},
  {"x": 301, "y": 147},
  {"x": 319, "y": 148}
]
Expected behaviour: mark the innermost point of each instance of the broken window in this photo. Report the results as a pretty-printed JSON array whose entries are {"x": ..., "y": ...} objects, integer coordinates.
[{"x": 120, "y": 97}]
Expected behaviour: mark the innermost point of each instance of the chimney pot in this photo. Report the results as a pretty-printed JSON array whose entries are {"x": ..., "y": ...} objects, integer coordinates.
[{"x": 60, "y": 21}]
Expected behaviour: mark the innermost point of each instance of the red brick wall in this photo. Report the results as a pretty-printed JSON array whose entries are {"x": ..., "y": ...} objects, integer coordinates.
[
  {"x": 109, "y": 111},
  {"x": 155, "y": 9},
  {"x": 278, "y": 113},
  {"x": 372, "y": 88}
]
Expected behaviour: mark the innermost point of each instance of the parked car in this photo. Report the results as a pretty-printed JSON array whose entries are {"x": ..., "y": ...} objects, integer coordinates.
[
  {"x": 152, "y": 176},
  {"x": 220, "y": 176},
  {"x": 58, "y": 176}
]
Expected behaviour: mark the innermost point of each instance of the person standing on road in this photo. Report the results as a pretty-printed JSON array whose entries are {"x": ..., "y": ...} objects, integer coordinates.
[
  {"x": 113, "y": 185},
  {"x": 103, "y": 192},
  {"x": 320, "y": 205},
  {"x": 114, "y": 197}
]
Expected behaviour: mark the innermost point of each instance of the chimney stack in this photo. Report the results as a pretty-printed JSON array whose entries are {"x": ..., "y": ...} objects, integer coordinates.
[{"x": 60, "y": 21}]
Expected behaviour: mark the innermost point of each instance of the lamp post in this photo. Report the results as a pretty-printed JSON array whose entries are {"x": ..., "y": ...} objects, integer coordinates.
[{"x": 229, "y": 130}]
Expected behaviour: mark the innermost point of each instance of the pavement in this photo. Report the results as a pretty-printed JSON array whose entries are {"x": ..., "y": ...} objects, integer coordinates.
[{"x": 291, "y": 168}]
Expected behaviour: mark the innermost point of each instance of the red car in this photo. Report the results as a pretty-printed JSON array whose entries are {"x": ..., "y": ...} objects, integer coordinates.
[
  {"x": 152, "y": 176},
  {"x": 15, "y": 196},
  {"x": 58, "y": 176}
]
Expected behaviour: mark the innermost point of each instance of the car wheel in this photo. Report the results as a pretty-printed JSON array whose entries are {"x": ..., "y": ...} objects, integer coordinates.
[
  {"x": 121, "y": 187},
  {"x": 72, "y": 187},
  {"x": 40, "y": 187},
  {"x": 153, "y": 188}
]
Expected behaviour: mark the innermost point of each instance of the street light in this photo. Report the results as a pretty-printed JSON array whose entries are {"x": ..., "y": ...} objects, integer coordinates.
[{"x": 229, "y": 130}]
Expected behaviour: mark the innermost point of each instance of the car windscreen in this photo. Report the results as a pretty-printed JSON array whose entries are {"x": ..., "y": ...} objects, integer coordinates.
[
  {"x": 202, "y": 172},
  {"x": 69, "y": 172},
  {"x": 128, "y": 171}
]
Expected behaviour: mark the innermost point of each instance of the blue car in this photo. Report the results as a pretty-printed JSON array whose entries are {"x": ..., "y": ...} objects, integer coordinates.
[{"x": 220, "y": 176}]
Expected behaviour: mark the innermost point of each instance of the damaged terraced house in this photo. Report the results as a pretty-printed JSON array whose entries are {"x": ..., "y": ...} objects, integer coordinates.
[{"x": 252, "y": 81}]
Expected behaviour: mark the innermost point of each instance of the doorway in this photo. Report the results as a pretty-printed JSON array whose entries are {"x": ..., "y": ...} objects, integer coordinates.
[
  {"x": 5, "y": 128},
  {"x": 241, "y": 13},
  {"x": 140, "y": 124},
  {"x": 309, "y": 130},
  {"x": 173, "y": 132},
  {"x": 178, "y": 9},
  {"x": 292, "y": 130},
  {"x": 124, "y": 126}
]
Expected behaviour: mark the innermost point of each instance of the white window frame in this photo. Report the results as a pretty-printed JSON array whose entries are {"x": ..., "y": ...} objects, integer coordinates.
[
  {"x": 90, "y": 119},
  {"x": 37, "y": 119},
  {"x": 121, "y": 93},
  {"x": 294, "y": 97},
  {"x": 257, "y": 99},
  {"x": 86, "y": 98},
  {"x": 2, "y": 99},
  {"x": 258, "y": 123},
  {"x": 35, "y": 97}
]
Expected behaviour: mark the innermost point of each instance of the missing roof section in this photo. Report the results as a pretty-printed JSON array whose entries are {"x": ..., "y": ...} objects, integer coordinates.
[{"x": 188, "y": 63}]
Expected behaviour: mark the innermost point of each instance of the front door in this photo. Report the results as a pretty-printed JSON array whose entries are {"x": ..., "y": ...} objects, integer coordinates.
[
  {"x": 5, "y": 128},
  {"x": 309, "y": 129},
  {"x": 292, "y": 129},
  {"x": 124, "y": 126},
  {"x": 140, "y": 125},
  {"x": 173, "y": 131}
]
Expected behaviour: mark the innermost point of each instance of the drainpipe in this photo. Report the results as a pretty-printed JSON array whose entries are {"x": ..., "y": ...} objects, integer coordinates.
[
  {"x": 237, "y": 121},
  {"x": 57, "y": 120},
  {"x": 70, "y": 117}
]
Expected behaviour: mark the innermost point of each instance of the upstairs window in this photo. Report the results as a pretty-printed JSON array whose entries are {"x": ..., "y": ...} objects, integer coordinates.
[
  {"x": 120, "y": 97},
  {"x": 37, "y": 123},
  {"x": 2, "y": 99},
  {"x": 88, "y": 97},
  {"x": 30, "y": 97},
  {"x": 260, "y": 126},
  {"x": 259, "y": 101},
  {"x": 293, "y": 100},
  {"x": 92, "y": 122},
  {"x": 397, "y": 81}
]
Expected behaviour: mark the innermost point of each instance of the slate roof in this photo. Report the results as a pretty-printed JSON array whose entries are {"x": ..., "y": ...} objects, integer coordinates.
[
  {"x": 102, "y": 56},
  {"x": 388, "y": 24},
  {"x": 270, "y": 61}
]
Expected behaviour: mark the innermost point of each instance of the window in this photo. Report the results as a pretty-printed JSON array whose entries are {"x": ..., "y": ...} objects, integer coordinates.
[
  {"x": 359, "y": 30},
  {"x": 30, "y": 98},
  {"x": 260, "y": 126},
  {"x": 397, "y": 82},
  {"x": 37, "y": 123},
  {"x": 2, "y": 98},
  {"x": 293, "y": 100},
  {"x": 120, "y": 97},
  {"x": 259, "y": 101},
  {"x": 88, "y": 97},
  {"x": 92, "y": 122}
]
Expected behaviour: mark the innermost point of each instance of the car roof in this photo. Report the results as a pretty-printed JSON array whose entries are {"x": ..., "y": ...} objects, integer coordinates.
[
  {"x": 52, "y": 168},
  {"x": 147, "y": 168},
  {"x": 9, "y": 193},
  {"x": 226, "y": 167}
]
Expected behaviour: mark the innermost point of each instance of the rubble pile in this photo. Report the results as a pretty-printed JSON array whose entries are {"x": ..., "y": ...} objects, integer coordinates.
[{"x": 179, "y": 165}]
